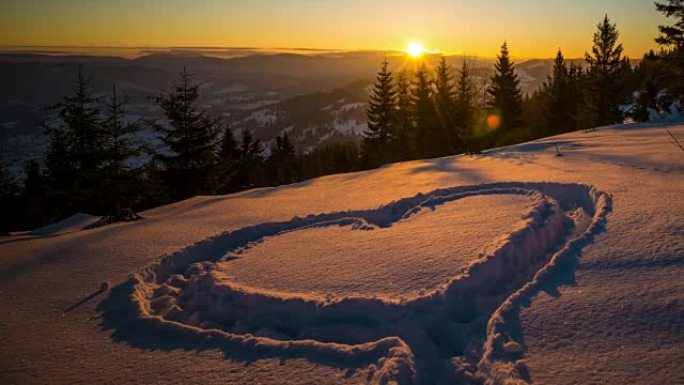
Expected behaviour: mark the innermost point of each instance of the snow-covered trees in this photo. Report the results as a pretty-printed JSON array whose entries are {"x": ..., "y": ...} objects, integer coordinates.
[{"x": 505, "y": 94}]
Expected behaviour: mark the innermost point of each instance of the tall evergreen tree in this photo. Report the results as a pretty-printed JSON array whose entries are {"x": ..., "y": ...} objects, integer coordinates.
[
  {"x": 119, "y": 146},
  {"x": 229, "y": 159},
  {"x": 382, "y": 119},
  {"x": 282, "y": 162},
  {"x": 192, "y": 138},
  {"x": 445, "y": 139},
  {"x": 505, "y": 94},
  {"x": 425, "y": 116},
  {"x": 606, "y": 68},
  {"x": 251, "y": 162},
  {"x": 401, "y": 146},
  {"x": 672, "y": 37},
  {"x": 8, "y": 185},
  {"x": 465, "y": 106},
  {"x": 79, "y": 116},
  {"x": 560, "y": 102},
  {"x": 75, "y": 156}
]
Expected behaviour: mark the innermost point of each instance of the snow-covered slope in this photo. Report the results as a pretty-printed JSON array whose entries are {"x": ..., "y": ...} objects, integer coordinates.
[{"x": 513, "y": 266}]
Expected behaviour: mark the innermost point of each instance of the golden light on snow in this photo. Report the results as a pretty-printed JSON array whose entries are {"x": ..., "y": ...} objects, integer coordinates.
[{"x": 415, "y": 49}]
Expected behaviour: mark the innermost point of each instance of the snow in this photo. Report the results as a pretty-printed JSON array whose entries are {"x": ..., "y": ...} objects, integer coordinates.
[
  {"x": 75, "y": 222},
  {"x": 512, "y": 266}
]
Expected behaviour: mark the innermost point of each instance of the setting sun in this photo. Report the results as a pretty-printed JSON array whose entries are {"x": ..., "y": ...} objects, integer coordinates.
[{"x": 415, "y": 49}]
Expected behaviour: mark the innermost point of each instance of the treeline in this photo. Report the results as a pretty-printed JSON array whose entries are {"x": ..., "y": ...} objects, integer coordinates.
[
  {"x": 437, "y": 112},
  {"x": 96, "y": 165}
]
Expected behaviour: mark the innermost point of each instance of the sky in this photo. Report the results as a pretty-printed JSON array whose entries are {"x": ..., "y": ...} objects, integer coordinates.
[{"x": 532, "y": 28}]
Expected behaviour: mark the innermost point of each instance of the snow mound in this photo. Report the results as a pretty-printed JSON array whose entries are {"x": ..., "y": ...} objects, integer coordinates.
[
  {"x": 460, "y": 330},
  {"x": 75, "y": 222}
]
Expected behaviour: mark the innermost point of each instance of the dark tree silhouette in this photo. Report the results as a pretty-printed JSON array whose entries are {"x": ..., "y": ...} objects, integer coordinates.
[
  {"x": 192, "y": 138},
  {"x": 561, "y": 100},
  {"x": 445, "y": 140},
  {"x": 229, "y": 160},
  {"x": 382, "y": 119},
  {"x": 606, "y": 69},
  {"x": 282, "y": 163},
  {"x": 672, "y": 38},
  {"x": 505, "y": 94},
  {"x": 251, "y": 162},
  {"x": 401, "y": 146},
  {"x": 425, "y": 117},
  {"x": 119, "y": 145},
  {"x": 464, "y": 110}
]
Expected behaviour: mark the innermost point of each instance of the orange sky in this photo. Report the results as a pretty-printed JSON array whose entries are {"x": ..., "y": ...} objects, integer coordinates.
[{"x": 533, "y": 28}]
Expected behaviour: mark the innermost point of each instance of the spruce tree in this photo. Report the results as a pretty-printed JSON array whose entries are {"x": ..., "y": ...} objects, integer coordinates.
[
  {"x": 76, "y": 157},
  {"x": 382, "y": 119},
  {"x": 505, "y": 94},
  {"x": 465, "y": 106},
  {"x": 282, "y": 162},
  {"x": 401, "y": 146},
  {"x": 79, "y": 119},
  {"x": 425, "y": 116},
  {"x": 191, "y": 137},
  {"x": 229, "y": 159},
  {"x": 445, "y": 139},
  {"x": 251, "y": 162},
  {"x": 8, "y": 185},
  {"x": 119, "y": 146},
  {"x": 560, "y": 101},
  {"x": 606, "y": 69},
  {"x": 672, "y": 38},
  {"x": 672, "y": 35}
]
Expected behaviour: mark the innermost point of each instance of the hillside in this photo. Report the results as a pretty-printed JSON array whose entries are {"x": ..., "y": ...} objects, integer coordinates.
[
  {"x": 513, "y": 266},
  {"x": 317, "y": 99}
]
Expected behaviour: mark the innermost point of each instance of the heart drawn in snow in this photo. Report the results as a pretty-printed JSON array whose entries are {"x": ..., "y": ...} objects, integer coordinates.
[{"x": 400, "y": 290}]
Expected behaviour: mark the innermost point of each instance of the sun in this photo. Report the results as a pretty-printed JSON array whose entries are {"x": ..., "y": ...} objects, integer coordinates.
[{"x": 415, "y": 49}]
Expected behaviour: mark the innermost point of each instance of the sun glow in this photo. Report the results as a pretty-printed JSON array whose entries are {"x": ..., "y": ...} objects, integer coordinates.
[{"x": 415, "y": 49}]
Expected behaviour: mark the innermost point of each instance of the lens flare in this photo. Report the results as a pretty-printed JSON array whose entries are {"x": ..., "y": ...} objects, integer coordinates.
[{"x": 493, "y": 121}]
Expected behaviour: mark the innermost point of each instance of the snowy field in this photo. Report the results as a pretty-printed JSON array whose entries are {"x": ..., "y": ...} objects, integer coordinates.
[{"x": 510, "y": 267}]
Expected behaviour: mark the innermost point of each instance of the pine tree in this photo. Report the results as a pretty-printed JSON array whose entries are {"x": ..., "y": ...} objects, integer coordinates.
[
  {"x": 425, "y": 116},
  {"x": 382, "y": 119},
  {"x": 34, "y": 198},
  {"x": 79, "y": 149},
  {"x": 401, "y": 146},
  {"x": 445, "y": 139},
  {"x": 672, "y": 37},
  {"x": 119, "y": 146},
  {"x": 8, "y": 186},
  {"x": 229, "y": 159},
  {"x": 192, "y": 138},
  {"x": 560, "y": 101},
  {"x": 606, "y": 68},
  {"x": 505, "y": 94},
  {"x": 465, "y": 108},
  {"x": 282, "y": 162},
  {"x": 251, "y": 162},
  {"x": 79, "y": 115}
]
